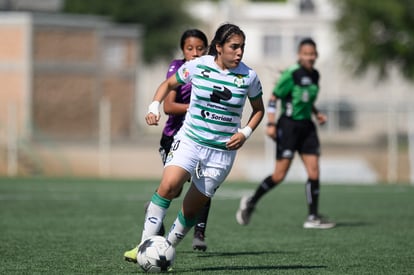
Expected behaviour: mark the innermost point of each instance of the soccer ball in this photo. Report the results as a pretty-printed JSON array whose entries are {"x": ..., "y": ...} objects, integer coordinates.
[{"x": 155, "y": 254}]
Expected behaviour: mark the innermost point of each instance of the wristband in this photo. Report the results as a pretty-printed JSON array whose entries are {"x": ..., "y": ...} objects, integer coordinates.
[
  {"x": 271, "y": 110},
  {"x": 153, "y": 107},
  {"x": 271, "y": 124},
  {"x": 246, "y": 131},
  {"x": 271, "y": 107}
]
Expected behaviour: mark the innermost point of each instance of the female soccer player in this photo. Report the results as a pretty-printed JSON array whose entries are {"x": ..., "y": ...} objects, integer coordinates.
[
  {"x": 297, "y": 89},
  {"x": 205, "y": 147},
  {"x": 193, "y": 44}
]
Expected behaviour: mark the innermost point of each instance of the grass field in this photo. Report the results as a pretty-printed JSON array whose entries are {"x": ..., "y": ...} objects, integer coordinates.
[{"x": 68, "y": 226}]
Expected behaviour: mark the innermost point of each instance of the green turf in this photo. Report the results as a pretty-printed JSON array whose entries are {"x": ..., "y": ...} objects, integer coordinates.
[{"x": 56, "y": 226}]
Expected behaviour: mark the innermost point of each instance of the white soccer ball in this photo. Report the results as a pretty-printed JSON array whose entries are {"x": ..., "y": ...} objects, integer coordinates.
[{"x": 156, "y": 254}]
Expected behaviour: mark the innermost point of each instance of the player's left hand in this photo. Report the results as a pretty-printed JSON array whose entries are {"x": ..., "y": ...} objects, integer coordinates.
[{"x": 236, "y": 141}]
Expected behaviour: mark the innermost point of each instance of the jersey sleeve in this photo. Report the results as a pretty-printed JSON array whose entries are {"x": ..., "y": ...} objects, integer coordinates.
[
  {"x": 255, "y": 88},
  {"x": 284, "y": 85},
  {"x": 185, "y": 73},
  {"x": 172, "y": 69}
]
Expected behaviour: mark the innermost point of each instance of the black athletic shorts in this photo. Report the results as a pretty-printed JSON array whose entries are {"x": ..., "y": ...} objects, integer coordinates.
[{"x": 296, "y": 135}]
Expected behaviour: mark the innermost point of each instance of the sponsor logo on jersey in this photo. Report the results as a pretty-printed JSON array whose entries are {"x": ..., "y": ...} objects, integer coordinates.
[
  {"x": 221, "y": 118},
  {"x": 206, "y": 114},
  {"x": 216, "y": 106}
]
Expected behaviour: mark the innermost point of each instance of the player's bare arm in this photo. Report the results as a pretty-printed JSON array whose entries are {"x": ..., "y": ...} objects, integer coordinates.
[
  {"x": 239, "y": 138},
  {"x": 153, "y": 115},
  {"x": 172, "y": 107}
]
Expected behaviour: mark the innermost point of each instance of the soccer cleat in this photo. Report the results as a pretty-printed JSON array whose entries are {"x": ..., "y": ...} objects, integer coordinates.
[
  {"x": 199, "y": 242},
  {"x": 318, "y": 222},
  {"x": 131, "y": 255},
  {"x": 245, "y": 211}
]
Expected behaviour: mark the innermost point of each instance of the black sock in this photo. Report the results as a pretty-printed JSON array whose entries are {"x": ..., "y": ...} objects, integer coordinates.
[
  {"x": 312, "y": 196},
  {"x": 202, "y": 218},
  {"x": 266, "y": 185}
]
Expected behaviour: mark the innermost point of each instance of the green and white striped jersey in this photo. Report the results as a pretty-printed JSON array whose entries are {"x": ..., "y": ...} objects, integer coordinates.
[{"x": 217, "y": 99}]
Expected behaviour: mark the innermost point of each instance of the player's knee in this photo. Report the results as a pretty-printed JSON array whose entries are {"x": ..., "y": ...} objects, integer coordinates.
[
  {"x": 313, "y": 173},
  {"x": 170, "y": 191}
]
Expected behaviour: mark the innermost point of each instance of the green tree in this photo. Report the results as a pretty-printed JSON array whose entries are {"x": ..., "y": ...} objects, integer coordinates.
[
  {"x": 378, "y": 34},
  {"x": 163, "y": 20}
]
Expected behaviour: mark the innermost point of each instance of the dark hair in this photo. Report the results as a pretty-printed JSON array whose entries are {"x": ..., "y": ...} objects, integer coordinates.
[
  {"x": 306, "y": 41},
  {"x": 223, "y": 34},
  {"x": 193, "y": 33}
]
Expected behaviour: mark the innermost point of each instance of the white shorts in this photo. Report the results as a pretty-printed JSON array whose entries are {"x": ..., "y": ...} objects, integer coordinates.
[{"x": 208, "y": 167}]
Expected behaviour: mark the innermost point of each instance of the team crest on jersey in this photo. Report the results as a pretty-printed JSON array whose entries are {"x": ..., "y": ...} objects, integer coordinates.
[{"x": 239, "y": 81}]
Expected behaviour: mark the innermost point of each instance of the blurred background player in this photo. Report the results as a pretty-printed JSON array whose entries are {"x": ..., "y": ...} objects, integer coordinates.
[
  {"x": 193, "y": 44},
  {"x": 205, "y": 147},
  {"x": 297, "y": 89}
]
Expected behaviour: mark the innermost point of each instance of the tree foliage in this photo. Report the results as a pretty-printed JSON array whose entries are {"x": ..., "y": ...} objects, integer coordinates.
[
  {"x": 163, "y": 20},
  {"x": 378, "y": 34}
]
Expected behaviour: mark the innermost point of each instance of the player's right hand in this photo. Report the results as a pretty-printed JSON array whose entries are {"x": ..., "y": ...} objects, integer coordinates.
[
  {"x": 153, "y": 115},
  {"x": 152, "y": 119}
]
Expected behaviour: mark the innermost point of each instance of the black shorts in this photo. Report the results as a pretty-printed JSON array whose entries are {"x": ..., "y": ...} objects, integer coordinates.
[{"x": 296, "y": 135}]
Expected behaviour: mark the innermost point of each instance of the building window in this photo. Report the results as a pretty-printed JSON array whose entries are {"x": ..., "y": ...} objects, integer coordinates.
[
  {"x": 297, "y": 39},
  {"x": 306, "y": 6},
  {"x": 341, "y": 115},
  {"x": 272, "y": 45}
]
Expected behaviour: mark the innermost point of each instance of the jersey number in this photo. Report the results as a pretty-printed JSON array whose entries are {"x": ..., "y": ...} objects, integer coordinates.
[{"x": 175, "y": 145}]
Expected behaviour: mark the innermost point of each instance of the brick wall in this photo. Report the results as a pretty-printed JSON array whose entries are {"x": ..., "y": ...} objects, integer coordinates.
[{"x": 74, "y": 68}]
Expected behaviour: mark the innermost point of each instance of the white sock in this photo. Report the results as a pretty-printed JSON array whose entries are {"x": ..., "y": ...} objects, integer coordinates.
[
  {"x": 177, "y": 233},
  {"x": 179, "y": 229},
  {"x": 153, "y": 219}
]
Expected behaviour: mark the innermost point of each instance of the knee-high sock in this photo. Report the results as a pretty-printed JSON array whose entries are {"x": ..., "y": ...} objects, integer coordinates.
[
  {"x": 155, "y": 215},
  {"x": 265, "y": 186},
  {"x": 312, "y": 196},
  {"x": 202, "y": 218},
  {"x": 179, "y": 229}
]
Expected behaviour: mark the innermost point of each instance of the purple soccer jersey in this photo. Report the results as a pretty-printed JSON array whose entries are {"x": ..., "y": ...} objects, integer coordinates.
[{"x": 174, "y": 122}]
